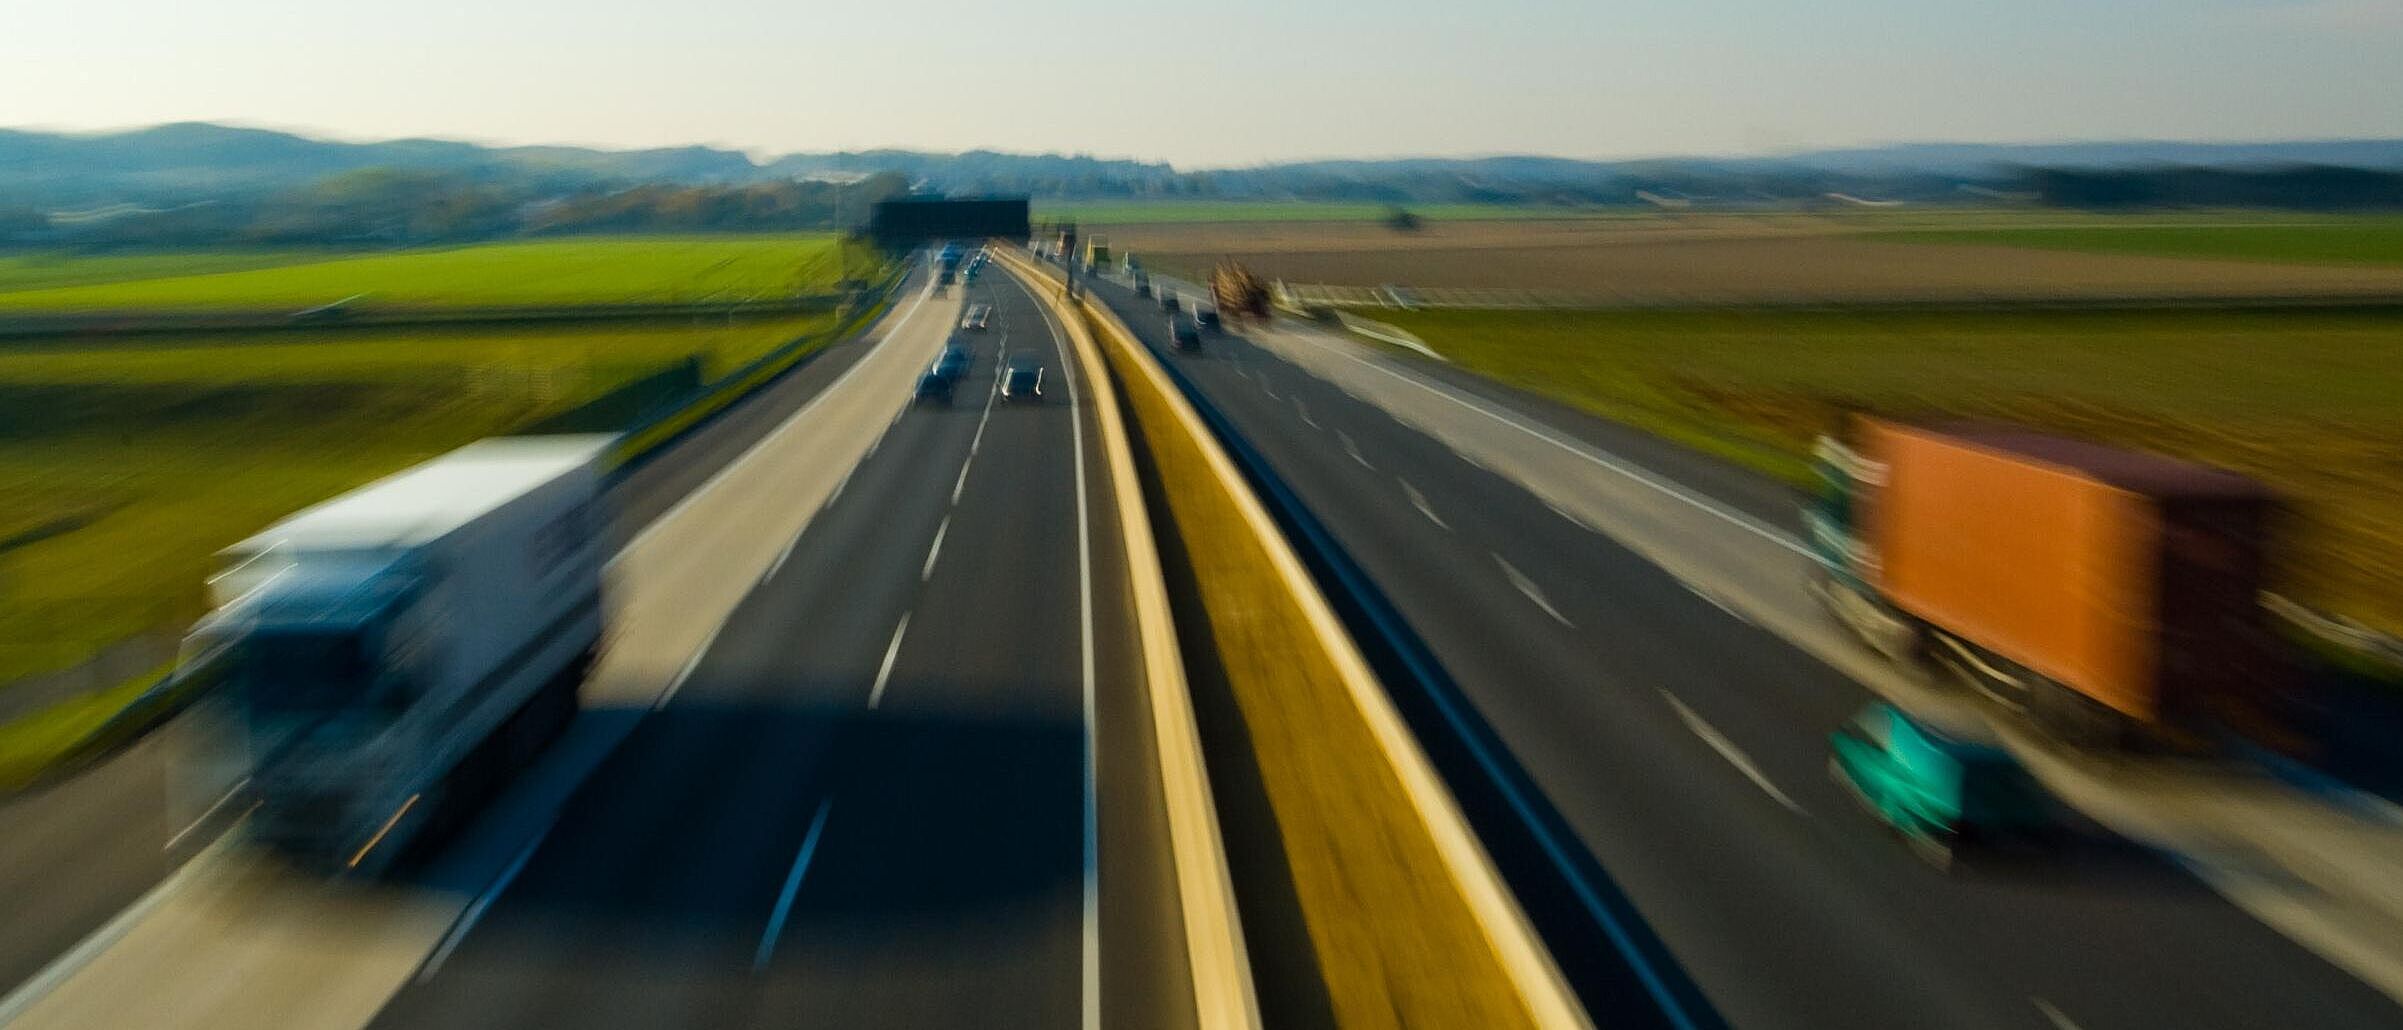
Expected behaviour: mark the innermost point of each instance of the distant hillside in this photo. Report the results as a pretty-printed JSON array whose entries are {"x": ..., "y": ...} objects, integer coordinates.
[
  {"x": 1985, "y": 158},
  {"x": 197, "y": 159},
  {"x": 71, "y": 185}
]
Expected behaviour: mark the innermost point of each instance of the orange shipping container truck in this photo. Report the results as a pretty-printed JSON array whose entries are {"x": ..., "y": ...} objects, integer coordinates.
[{"x": 2044, "y": 564}]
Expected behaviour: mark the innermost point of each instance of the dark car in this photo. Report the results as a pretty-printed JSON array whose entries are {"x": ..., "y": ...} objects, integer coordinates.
[
  {"x": 1942, "y": 790},
  {"x": 1022, "y": 383},
  {"x": 1207, "y": 318},
  {"x": 933, "y": 388},
  {"x": 1142, "y": 287},
  {"x": 1183, "y": 333},
  {"x": 1168, "y": 302},
  {"x": 954, "y": 362}
]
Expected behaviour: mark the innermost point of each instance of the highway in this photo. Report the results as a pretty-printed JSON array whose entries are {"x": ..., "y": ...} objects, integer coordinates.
[
  {"x": 867, "y": 804},
  {"x": 867, "y": 743},
  {"x": 1679, "y": 746}
]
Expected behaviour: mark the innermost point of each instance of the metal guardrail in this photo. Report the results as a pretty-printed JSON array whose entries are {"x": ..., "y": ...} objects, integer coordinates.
[
  {"x": 37, "y": 324},
  {"x": 640, "y": 442},
  {"x": 1311, "y": 296}
]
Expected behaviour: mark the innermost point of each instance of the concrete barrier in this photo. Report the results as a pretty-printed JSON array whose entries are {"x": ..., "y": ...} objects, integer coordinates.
[
  {"x": 1223, "y": 992},
  {"x": 1469, "y": 925}
]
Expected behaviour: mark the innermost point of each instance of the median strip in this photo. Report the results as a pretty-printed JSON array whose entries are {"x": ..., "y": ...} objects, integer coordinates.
[
  {"x": 1223, "y": 992},
  {"x": 1408, "y": 923}
]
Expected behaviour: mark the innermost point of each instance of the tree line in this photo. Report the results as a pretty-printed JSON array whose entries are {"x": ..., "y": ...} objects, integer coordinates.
[{"x": 401, "y": 207}]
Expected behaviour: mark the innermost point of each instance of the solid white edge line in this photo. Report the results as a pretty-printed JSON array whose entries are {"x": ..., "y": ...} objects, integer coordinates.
[
  {"x": 759, "y": 446},
  {"x": 39, "y": 986},
  {"x": 1715, "y": 602},
  {"x": 792, "y": 888},
  {"x": 927, "y": 570},
  {"x": 475, "y": 912},
  {"x": 1090, "y": 962},
  {"x": 1594, "y": 455},
  {"x": 1727, "y": 750},
  {"x": 206, "y": 815},
  {"x": 838, "y": 487},
  {"x": 1092, "y": 784},
  {"x": 2053, "y": 1014},
  {"x": 884, "y": 673},
  {"x": 1534, "y": 593},
  {"x": 694, "y": 662}
]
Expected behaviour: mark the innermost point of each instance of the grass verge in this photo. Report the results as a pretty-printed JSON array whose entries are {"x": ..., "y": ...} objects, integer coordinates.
[
  {"x": 2309, "y": 402},
  {"x": 547, "y": 272},
  {"x": 2359, "y": 241},
  {"x": 32, "y": 745},
  {"x": 1392, "y": 941},
  {"x": 1161, "y": 212},
  {"x": 40, "y": 270},
  {"x": 125, "y": 466}
]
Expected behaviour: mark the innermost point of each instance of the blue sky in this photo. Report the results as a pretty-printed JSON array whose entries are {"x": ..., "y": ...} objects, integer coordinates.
[{"x": 1252, "y": 80}]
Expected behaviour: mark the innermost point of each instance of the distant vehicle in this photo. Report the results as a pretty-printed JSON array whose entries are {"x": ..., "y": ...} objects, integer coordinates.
[
  {"x": 1183, "y": 333},
  {"x": 978, "y": 318},
  {"x": 1944, "y": 794},
  {"x": 1130, "y": 266},
  {"x": 933, "y": 388},
  {"x": 1168, "y": 302},
  {"x": 1022, "y": 383},
  {"x": 1207, "y": 318},
  {"x": 1142, "y": 286},
  {"x": 943, "y": 280},
  {"x": 390, "y": 656},
  {"x": 2111, "y": 594},
  {"x": 954, "y": 362}
]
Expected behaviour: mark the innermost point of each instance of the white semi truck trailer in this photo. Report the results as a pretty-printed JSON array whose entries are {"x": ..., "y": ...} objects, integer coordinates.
[{"x": 394, "y": 654}]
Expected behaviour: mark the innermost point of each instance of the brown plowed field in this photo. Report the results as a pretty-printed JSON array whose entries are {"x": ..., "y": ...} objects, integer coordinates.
[{"x": 1720, "y": 260}]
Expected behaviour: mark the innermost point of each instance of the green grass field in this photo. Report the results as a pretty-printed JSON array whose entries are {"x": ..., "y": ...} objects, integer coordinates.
[
  {"x": 41, "y": 270},
  {"x": 2310, "y": 403},
  {"x": 1137, "y": 212},
  {"x": 2355, "y": 241},
  {"x": 548, "y": 272},
  {"x": 124, "y": 466}
]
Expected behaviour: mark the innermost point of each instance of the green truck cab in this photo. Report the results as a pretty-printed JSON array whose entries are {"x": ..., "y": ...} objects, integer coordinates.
[{"x": 1942, "y": 792}]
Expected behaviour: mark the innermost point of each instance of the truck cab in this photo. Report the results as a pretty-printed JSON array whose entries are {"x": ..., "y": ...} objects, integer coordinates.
[{"x": 322, "y": 661}]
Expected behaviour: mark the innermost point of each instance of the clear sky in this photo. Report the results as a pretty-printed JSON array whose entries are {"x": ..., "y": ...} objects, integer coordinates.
[{"x": 1225, "y": 83}]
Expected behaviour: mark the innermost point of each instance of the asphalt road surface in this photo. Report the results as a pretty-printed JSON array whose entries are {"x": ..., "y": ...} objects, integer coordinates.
[
  {"x": 1685, "y": 749},
  {"x": 74, "y": 854},
  {"x": 907, "y": 784}
]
